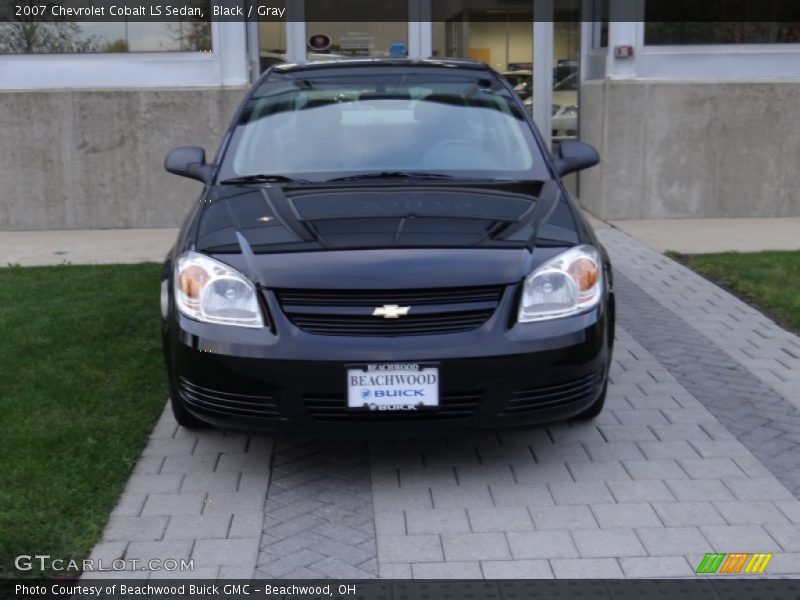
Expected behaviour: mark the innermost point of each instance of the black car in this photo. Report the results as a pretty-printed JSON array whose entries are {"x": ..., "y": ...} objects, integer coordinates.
[{"x": 385, "y": 247}]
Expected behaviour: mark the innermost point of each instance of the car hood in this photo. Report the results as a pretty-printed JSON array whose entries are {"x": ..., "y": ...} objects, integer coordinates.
[
  {"x": 379, "y": 238},
  {"x": 385, "y": 269},
  {"x": 271, "y": 219}
]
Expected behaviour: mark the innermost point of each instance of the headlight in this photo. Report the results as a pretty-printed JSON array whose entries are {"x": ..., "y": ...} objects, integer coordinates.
[
  {"x": 210, "y": 291},
  {"x": 567, "y": 284}
]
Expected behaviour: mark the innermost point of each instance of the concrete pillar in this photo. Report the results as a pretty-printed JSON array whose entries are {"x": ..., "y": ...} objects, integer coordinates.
[
  {"x": 232, "y": 45},
  {"x": 543, "y": 67},
  {"x": 623, "y": 32},
  {"x": 296, "y": 34},
  {"x": 253, "y": 49},
  {"x": 425, "y": 38},
  {"x": 420, "y": 29}
]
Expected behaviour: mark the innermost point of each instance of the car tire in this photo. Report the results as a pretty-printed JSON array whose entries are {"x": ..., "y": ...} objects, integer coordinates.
[
  {"x": 596, "y": 408},
  {"x": 184, "y": 417}
]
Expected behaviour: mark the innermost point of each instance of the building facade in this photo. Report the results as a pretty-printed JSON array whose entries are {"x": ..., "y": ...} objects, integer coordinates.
[{"x": 691, "y": 119}]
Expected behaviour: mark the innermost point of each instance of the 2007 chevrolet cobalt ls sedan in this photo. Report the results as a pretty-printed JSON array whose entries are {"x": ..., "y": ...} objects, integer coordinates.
[{"x": 385, "y": 247}]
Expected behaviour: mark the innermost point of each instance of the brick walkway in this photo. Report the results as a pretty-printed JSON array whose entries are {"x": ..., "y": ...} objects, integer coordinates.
[
  {"x": 319, "y": 518},
  {"x": 696, "y": 451},
  {"x": 193, "y": 494}
]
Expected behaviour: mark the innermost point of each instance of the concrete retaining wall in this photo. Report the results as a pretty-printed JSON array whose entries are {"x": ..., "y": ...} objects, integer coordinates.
[
  {"x": 692, "y": 149},
  {"x": 94, "y": 159}
]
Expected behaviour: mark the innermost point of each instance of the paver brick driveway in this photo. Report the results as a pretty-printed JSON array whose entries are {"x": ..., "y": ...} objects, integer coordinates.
[{"x": 697, "y": 451}]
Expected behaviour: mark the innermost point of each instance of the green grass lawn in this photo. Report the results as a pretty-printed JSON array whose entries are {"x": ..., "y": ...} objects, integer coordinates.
[
  {"x": 770, "y": 281},
  {"x": 82, "y": 382}
]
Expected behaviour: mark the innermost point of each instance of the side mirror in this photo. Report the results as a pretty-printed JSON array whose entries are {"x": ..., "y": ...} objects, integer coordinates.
[
  {"x": 189, "y": 161},
  {"x": 574, "y": 156}
]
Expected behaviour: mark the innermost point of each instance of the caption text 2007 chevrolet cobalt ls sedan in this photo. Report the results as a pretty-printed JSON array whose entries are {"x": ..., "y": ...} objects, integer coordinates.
[{"x": 385, "y": 247}]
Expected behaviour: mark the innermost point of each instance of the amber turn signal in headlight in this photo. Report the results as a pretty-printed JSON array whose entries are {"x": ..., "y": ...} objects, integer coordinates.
[
  {"x": 191, "y": 282},
  {"x": 567, "y": 284},
  {"x": 210, "y": 291}
]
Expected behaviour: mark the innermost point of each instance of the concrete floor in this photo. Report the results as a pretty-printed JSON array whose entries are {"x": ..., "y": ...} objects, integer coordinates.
[
  {"x": 79, "y": 246},
  {"x": 698, "y": 236},
  {"x": 690, "y": 236}
]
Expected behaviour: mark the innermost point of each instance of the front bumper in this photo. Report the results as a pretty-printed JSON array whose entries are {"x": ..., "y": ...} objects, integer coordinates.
[{"x": 491, "y": 378}]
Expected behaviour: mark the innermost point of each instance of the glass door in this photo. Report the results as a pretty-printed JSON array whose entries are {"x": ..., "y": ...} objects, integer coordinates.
[
  {"x": 316, "y": 30},
  {"x": 328, "y": 40},
  {"x": 381, "y": 29},
  {"x": 501, "y": 38},
  {"x": 496, "y": 32}
]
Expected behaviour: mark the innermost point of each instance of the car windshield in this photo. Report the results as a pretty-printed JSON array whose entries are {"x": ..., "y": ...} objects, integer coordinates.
[{"x": 317, "y": 126}]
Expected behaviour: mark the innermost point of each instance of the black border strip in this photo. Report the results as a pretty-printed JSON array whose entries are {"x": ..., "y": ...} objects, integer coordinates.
[
  {"x": 517, "y": 589},
  {"x": 400, "y": 11}
]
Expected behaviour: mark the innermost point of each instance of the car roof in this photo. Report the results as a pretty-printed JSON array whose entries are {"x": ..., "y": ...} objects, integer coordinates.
[{"x": 453, "y": 63}]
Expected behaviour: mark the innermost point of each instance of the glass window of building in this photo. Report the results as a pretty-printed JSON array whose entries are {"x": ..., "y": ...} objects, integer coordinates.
[
  {"x": 688, "y": 22},
  {"x": 504, "y": 40},
  {"x": 31, "y": 35},
  {"x": 659, "y": 33}
]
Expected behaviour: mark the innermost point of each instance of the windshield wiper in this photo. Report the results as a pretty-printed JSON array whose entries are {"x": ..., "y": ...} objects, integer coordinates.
[
  {"x": 392, "y": 175},
  {"x": 262, "y": 178}
]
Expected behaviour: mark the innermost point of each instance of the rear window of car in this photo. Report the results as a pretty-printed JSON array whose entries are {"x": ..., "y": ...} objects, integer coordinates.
[{"x": 319, "y": 126}]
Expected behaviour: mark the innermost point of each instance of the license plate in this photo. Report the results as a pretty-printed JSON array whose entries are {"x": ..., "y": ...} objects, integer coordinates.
[{"x": 392, "y": 387}]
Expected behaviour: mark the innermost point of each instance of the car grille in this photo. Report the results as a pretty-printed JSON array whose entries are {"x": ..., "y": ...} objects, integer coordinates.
[
  {"x": 333, "y": 407},
  {"x": 553, "y": 396},
  {"x": 349, "y": 312},
  {"x": 225, "y": 403}
]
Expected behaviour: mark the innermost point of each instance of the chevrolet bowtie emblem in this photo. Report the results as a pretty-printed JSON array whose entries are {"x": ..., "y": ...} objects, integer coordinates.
[{"x": 391, "y": 311}]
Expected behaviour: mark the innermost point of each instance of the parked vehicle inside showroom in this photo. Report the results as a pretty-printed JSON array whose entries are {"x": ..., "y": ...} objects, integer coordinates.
[
  {"x": 521, "y": 80},
  {"x": 565, "y": 108},
  {"x": 385, "y": 247}
]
